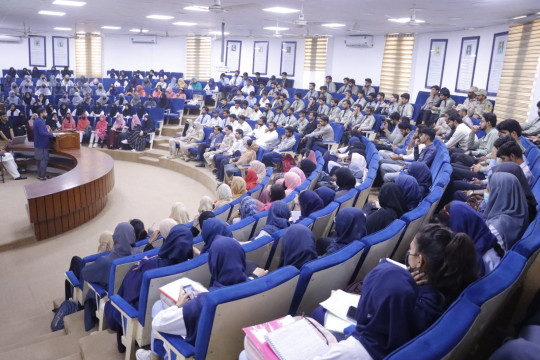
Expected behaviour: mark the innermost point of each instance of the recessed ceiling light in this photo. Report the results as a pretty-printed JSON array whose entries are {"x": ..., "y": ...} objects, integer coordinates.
[
  {"x": 281, "y": 10},
  {"x": 519, "y": 17},
  {"x": 160, "y": 17},
  {"x": 197, "y": 8},
  {"x": 69, "y": 3},
  {"x": 183, "y": 23},
  {"x": 276, "y": 28},
  {"x": 53, "y": 13},
  {"x": 111, "y": 27},
  {"x": 405, "y": 20},
  {"x": 96, "y": 33},
  {"x": 333, "y": 25},
  {"x": 62, "y": 28},
  {"x": 139, "y": 30},
  {"x": 393, "y": 34},
  {"x": 218, "y": 33}
]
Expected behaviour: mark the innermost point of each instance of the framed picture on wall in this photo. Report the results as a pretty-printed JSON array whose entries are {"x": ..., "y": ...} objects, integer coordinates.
[
  {"x": 498, "y": 51},
  {"x": 467, "y": 63},
  {"x": 435, "y": 67},
  {"x": 60, "y": 51},
  {"x": 234, "y": 53},
  {"x": 260, "y": 57},
  {"x": 37, "y": 50},
  {"x": 288, "y": 57}
]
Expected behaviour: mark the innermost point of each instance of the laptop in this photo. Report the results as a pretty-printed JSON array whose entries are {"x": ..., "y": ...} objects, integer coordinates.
[{"x": 18, "y": 140}]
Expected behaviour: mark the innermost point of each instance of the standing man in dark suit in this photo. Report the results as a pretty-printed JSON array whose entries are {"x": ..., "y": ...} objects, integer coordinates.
[{"x": 41, "y": 144}]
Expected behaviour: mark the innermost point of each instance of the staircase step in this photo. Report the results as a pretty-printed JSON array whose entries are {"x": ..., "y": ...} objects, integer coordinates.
[
  {"x": 23, "y": 341},
  {"x": 50, "y": 349},
  {"x": 157, "y": 153},
  {"x": 162, "y": 146},
  {"x": 148, "y": 160},
  {"x": 10, "y": 332},
  {"x": 74, "y": 324},
  {"x": 99, "y": 346}
]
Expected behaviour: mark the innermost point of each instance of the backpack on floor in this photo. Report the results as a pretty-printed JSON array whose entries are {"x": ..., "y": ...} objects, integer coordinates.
[
  {"x": 287, "y": 163},
  {"x": 66, "y": 307}
]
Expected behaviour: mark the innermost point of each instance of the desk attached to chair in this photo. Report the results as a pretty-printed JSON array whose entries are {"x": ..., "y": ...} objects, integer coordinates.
[{"x": 73, "y": 198}]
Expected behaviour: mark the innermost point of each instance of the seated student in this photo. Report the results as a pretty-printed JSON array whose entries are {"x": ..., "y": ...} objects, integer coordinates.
[
  {"x": 298, "y": 104},
  {"x": 411, "y": 190},
  {"x": 345, "y": 181},
  {"x": 512, "y": 128},
  {"x": 137, "y": 140},
  {"x": 309, "y": 202},
  {"x": 350, "y": 225},
  {"x": 511, "y": 152},
  {"x": 460, "y": 133},
  {"x": 389, "y": 207},
  {"x": 248, "y": 207},
  {"x": 83, "y": 126},
  {"x": 532, "y": 128},
  {"x": 273, "y": 155},
  {"x": 227, "y": 264},
  {"x": 212, "y": 228},
  {"x": 395, "y": 136},
  {"x": 422, "y": 174},
  {"x": 357, "y": 166},
  {"x": 326, "y": 194},
  {"x": 232, "y": 166},
  {"x": 291, "y": 181},
  {"x": 194, "y": 134},
  {"x": 224, "y": 194},
  {"x": 391, "y": 169},
  {"x": 297, "y": 247},
  {"x": 479, "y": 149},
  {"x": 238, "y": 187},
  {"x": 517, "y": 171},
  {"x": 235, "y": 152},
  {"x": 460, "y": 217},
  {"x": 98, "y": 272},
  {"x": 279, "y": 213},
  {"x": 414, "y": 299},
  {"x": 506, "y": 210},
  {"x": 177, "y": 247},
  {"x": 324, "y": 132},
  {"x": 99, "y": 133}
]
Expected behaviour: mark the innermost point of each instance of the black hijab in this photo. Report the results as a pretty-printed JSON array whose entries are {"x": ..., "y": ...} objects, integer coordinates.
[
  {"x": 392, "y": 207},
  {"x": 307, "y": 166},
  {"x": 345, "y": 179}
]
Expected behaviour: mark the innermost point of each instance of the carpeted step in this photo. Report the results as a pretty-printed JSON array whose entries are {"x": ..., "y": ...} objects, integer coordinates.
[
  {"x": 52, "y": 348},
  {"x": 31, "y": 327},
  {"x": 99, "y": 346},
  {"x": 74, "y": 324}
]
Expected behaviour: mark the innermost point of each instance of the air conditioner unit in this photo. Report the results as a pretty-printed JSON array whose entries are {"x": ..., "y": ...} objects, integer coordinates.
[
  {"x": 10, "y": 38},
  {"x": 360, "y": 41},
  {"x": 144, "y": 39}
]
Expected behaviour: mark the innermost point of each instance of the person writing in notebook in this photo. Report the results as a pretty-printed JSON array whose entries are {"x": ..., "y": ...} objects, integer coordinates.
[
  {"x": 398, "y": 304},
  {"x": 227, "y": 264}
]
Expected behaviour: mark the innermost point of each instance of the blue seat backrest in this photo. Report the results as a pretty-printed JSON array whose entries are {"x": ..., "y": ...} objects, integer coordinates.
[
  {"x": 176, "y": 104},
  {"x": 156, "y": 114},
  {"x": 459, "y": 99},
  {"x": 281, "y": 131},
  {"x": 378, "y": 121},
  {"x": 338, "y": 131},
  {"x": 421, "y": 97}
]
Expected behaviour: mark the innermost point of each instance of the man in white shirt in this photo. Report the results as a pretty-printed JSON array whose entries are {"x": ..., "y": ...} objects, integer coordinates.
[
  {"x": 311, "y": 92},
  {"x": 256, "y": 113},
  {"x": 466, "y": 119},
  {"x": 260, "y": 128},
  {"x": 236, "y": 109},
  {"x": 235, "y": 81},
  {"x": 286, "y": 144},
  {"x": 246, "y": 110},
  {"x": 235, "y": 151},
  {"x": 214, "y": 121},
  {"x": 203, "y": 118},
  {"x": 264, "y": 99},
  {"x": 244, "y": 126},
  {"x": 270, "y": 138},
  {"x": 248, "y": 87},
  {"x": 460, "y": 138}
]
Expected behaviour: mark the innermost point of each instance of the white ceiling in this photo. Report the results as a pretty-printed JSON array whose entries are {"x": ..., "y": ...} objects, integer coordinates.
[{"x": 247, "y": 18}]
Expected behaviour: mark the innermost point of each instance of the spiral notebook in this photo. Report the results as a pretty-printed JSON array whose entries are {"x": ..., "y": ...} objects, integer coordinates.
[{"x": 297, "y": 341}]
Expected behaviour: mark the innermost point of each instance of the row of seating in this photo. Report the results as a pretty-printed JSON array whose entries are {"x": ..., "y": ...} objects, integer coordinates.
[{"x": 456, "y": 334}]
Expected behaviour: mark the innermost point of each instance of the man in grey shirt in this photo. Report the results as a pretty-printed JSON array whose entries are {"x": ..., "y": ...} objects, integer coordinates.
[
  {"x": 532, "y": 128},
  {"x": 432, "y": 100},
  {"x": 405, "y": 108},
  {"x": 298, "y": 104},
  {"x": 446, "y": 103},
  {"x": 324, "y": 132},
  {"x": 287, "y": 143},
  {"x": 330, "y": 84}
]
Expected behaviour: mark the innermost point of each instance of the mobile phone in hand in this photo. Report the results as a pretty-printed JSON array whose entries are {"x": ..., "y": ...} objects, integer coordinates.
[
  {"x": 351, "y": 313},
  {"x": 190, "y": 290}
]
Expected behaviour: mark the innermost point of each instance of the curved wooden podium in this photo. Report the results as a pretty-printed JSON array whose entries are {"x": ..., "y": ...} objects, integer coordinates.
[{"x": 71, "y": 199}]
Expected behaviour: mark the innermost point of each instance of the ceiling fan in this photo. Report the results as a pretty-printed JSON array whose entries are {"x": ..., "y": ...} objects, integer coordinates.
[
  {"x": 301, "y": 21},
  {"x": 23, "y": 34},
  {"x": 412, "y": 20},
  {"x": 217, "y": 7}
]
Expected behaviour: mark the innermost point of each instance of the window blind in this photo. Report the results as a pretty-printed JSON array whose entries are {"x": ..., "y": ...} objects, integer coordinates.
[
  {"x": 520, "y": 70},
  {"x": 397, "y": 63},
  {"x": 198, "y": 58},
  {"x": 88, "y": 55},
  {"x": 315, "y": 54}
]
